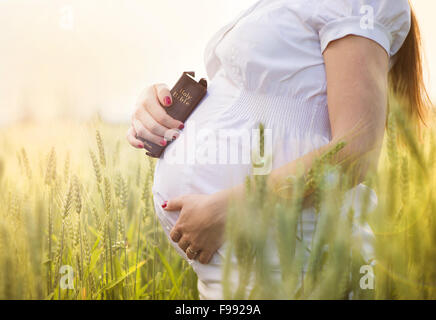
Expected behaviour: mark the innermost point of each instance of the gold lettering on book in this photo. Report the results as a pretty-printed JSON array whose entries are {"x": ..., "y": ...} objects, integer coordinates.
[
  {"x": 147, "y": 144},
  {"x": 183, "y": 96}
]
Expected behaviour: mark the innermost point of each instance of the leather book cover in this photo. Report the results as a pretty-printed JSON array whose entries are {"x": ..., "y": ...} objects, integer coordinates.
[{"x": 186, "y": 95}]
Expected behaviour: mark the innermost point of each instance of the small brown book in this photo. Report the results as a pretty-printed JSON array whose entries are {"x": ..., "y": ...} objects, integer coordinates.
[{"x": 186, "y": 96}]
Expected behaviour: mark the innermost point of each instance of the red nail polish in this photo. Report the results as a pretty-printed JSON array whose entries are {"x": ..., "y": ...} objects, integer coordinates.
[
  {"x": 174, "y": 137},
  {"x": 165, "y": 205},
  {"x": 163, "y": 143},
  {"x": 181, "y": 126},
  {"x": 141, "y": 146},
  {"x": 167, "y": 101}
]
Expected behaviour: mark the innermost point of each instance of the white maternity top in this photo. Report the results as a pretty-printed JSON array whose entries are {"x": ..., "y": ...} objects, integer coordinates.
[{"x": 267, "y": 67}]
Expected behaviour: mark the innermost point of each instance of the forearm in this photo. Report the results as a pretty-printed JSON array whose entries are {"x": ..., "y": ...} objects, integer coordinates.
[
  {"x": 353, "y": 157},
  {"x": 358, "y": 155}
]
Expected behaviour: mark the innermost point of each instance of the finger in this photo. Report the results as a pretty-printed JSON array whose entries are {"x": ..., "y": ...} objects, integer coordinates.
[
  {"x": 184, "y": 244},
  {"x": 175, "y": 204},
  {"x": 145, "y": 134},
  {"x": 192, "y": 252},
  {"x": 205, "y": 257},
  {"x": 175, "y": 235},
  {"x": 149, "y": 123},
  {"x": 131, "y": 138},
  {"x": 164, "y": 95},
  {"x": 171, "y": 134},
  {"x": 158, "y": 113}
]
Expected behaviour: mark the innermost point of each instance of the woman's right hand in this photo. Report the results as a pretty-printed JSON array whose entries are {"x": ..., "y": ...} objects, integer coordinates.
[{"x": 150, "y": 121}]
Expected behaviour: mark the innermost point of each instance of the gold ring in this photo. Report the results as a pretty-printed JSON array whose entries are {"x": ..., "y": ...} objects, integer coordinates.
[{"x": 189, "y": 250}]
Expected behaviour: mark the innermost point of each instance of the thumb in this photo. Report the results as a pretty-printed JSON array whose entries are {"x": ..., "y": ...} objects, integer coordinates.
[{"x": 175, "y": 204}]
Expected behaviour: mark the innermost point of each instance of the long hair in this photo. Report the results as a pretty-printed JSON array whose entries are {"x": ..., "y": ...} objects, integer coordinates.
[{"x": 406, "y": 78}]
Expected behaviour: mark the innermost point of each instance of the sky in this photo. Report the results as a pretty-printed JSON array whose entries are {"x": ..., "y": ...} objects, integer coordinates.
[{"x": 62, "y": 58}]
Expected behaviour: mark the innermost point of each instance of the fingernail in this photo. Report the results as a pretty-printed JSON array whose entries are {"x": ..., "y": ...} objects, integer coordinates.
[
  {"x": 163, "y": 143},
  {"x": 165, "y": 204},
  {"x": 141, "y": 146},
  {"x": 167, "y": 101},
  {"x": 181, "y": 126},
  {"x": 174, "y": 137}
]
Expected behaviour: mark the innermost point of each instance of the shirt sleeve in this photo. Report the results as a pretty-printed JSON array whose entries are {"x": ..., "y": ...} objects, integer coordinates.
[{"x": 386, "y": 22}]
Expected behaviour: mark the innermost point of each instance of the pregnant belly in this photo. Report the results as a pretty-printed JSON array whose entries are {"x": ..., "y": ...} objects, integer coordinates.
[
  {"x": 212, "y": 161},
  {"x": 210, "y": 156},
  {"x": 188, "y": 164},
  {"x": 220, "y": 142},
  {"x": 197, "y": 173}
]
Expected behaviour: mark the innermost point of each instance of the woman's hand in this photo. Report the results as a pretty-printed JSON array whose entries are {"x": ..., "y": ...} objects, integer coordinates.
[
  {"x": 200, "y": 228},
  {"x": 150, "y": 121}
]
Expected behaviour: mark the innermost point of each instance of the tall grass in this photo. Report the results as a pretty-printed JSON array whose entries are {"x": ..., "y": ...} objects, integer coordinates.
[
  {"x": 79, "y": 196},
  {"x": 332, "y": 264}
]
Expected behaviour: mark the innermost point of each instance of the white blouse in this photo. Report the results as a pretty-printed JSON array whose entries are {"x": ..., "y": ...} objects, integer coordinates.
[{"x": 267, "y": 67}]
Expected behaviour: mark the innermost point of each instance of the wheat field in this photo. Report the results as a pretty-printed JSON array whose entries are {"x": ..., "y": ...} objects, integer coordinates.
[
  {"x": 74, "y": 197},
  {"x": 77, "y": 222}
]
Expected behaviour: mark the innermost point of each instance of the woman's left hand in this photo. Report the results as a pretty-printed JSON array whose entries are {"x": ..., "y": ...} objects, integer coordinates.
[{"x": 199, "y": 231}]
